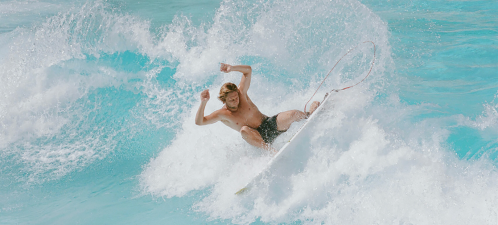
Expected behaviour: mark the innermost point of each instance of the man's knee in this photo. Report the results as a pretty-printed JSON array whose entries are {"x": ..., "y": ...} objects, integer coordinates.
[
  {"x": 249, "y": 133},
  {"x": 298, "y": 115},
  {"x": 245, "y": 130}
]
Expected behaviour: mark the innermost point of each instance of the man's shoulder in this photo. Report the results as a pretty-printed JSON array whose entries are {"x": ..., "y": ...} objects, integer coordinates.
[
  {"x": 222, "y": 112},
  {"x": 243, "y": 96}
]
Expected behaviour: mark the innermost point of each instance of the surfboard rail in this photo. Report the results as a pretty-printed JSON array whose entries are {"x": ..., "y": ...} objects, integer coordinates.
[{"x": 279, "y": 154}]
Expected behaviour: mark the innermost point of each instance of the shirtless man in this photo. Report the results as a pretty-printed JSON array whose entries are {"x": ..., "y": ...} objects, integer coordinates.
[{"x": 240, "y": 113}]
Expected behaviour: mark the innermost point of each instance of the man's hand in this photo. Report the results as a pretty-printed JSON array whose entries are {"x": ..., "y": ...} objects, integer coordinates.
[
  {"x": 225, "y": 68},
  {"x": 200, "y": 119},
  {"x": 246, "y": 71},
  {"x": 205, "y": 95}
]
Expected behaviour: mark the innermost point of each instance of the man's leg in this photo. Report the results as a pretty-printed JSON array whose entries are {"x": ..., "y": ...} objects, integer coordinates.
[
  {"x": 285, "y": 119},
  {"x": 253, "y": 137}
]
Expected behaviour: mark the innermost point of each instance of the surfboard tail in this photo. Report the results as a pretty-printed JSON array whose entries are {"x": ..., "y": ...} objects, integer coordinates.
[{"x": 242, "y": 191}]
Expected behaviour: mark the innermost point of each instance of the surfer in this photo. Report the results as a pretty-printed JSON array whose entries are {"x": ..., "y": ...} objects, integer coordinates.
[{"x": 242, "y": 115}]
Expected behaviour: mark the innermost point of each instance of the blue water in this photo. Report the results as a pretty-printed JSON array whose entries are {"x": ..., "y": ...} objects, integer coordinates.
[{"x": 98, "y": 99}]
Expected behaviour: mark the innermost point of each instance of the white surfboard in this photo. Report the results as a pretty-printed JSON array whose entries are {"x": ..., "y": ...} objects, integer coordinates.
[{"x": 293, "y": 143}]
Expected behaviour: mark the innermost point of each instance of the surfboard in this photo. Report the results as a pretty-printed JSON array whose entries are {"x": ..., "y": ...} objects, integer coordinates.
[{"x": 292, "y": 143}]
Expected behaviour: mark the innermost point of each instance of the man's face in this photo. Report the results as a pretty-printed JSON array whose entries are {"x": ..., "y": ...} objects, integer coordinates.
[{"x": 232, "y": 101}]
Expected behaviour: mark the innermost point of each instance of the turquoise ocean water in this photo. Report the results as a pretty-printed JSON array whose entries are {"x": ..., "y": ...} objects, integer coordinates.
[{"x": 98, "y": 99}]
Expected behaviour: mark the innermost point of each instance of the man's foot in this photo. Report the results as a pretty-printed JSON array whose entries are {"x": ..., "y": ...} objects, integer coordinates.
[{"x": 313, "y": 107}]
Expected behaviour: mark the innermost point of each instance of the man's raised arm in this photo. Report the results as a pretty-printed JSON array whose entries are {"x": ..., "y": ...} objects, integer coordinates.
[
  {"x": 199, "y": 117},
  {"x": 246, "y": 70}
]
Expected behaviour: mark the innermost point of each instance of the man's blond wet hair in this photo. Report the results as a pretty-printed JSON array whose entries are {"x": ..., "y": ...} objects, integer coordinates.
[{"x": 226, "y": 89}]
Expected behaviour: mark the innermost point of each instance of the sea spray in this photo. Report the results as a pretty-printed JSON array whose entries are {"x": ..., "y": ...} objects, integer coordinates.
[
  {"x": 97, "y": 108},
  {"x": 69, "y": 84},
  {"x": 370, "y": 161}
]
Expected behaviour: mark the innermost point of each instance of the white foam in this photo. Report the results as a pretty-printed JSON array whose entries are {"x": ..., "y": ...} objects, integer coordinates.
[
  {"x": 486, "y": 124},
  {"x": 488, "y": 118},
  {"x": 368, "y": 162},
  {"x": 46, "y": 78}
]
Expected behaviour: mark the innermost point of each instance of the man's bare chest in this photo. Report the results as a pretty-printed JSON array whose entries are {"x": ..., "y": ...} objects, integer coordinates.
[{"x": 245, "y": 116}]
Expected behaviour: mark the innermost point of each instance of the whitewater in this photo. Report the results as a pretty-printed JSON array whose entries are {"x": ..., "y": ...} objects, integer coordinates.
[{"x": 98, "y": 100}]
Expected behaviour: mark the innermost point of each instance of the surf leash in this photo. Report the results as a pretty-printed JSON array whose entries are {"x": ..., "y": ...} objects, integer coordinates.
[{"x": 337, "y": 90}]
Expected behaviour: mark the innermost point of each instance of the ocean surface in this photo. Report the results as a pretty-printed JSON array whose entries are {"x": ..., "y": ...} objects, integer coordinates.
[{"x": 98, "y": 100}]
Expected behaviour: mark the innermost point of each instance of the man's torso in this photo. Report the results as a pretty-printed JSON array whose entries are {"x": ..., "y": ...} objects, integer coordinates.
[{"x": 246, "y": 115}]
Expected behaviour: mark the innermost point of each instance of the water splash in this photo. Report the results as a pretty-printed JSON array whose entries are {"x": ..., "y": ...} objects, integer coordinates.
[{"x": 369, "y": 161}]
